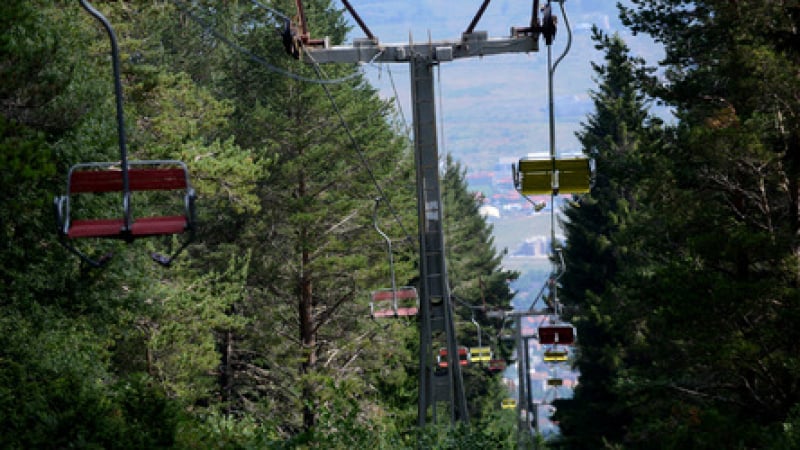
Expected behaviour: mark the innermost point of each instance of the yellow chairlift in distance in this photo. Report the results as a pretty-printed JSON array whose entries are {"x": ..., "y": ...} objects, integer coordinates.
[
  {"x": 480, "y": 355},
  {"x": 555, "y": 382},
  {"x": 555, "y": 355},
  {"x": 508, "y": 403},
  {"x": 546, "y": 175}
]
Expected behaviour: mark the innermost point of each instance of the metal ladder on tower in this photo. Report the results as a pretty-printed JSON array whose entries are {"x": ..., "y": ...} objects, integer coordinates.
[{"x": 437, "y": 323}]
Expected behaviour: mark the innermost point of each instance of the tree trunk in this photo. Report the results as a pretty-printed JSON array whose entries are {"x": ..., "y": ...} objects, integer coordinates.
[
  {"x": 306, "y": 310},
  {"x": 793, "y": 169},
  {"x": 226, "y": 371}
]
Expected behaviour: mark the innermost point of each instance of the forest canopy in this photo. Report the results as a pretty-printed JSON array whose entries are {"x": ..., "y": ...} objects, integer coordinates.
[
  {"x": 681, "y": 266},
  {"x": 259, "y": 334}
]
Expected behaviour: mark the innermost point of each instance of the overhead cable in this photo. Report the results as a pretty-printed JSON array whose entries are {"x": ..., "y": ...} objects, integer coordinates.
[
  {"x": 254, "y": 57},
  {"x": 360, "y": 152}
]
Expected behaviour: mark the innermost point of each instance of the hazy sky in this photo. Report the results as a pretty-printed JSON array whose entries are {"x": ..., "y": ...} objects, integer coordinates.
[{"x": 495, "y": 108}]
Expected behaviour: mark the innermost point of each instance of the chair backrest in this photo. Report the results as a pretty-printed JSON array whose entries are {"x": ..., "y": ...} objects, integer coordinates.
[
  {"x": 480, "y": 354},
  {"x": 535, "y": 176},
  {"x": 402, "y": 293},
  {"x": 555, "y": 355},
  {"x": 556, "y": 334},
  {"x": 142, "y": 176},
  {"x": 382, "y": 304}
]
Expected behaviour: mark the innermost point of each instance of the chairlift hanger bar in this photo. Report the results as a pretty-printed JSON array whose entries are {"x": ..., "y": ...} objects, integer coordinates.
[{"x": 123, "y": 150}]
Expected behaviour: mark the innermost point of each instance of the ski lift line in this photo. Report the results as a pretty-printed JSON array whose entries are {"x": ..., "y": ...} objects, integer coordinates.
[
  {"x": 361, "y": 155},
  {"x": 465, "y": 303},
  {"x": 406, "y": 128},
  {"x": 272, "y": 10},
  {"x": 551, "y": 68},
  {"x": 477, "y": 325},
  {"x": 322, "y": 75},
  {"x": 569, "y": 35},
  {"x": 258, "y": 59},
  {"x": 537, "y": 298},
  {"x": 535, "y": 170}
]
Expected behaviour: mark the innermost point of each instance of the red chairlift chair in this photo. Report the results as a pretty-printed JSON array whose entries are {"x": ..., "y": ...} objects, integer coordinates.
[
  {"x": 125, "y": 178},
  {"x": 556, "y": 334},
  {"x": 400, "y": 302}
]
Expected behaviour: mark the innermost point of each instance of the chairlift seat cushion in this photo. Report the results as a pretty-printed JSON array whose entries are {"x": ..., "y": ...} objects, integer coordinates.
[
  {"x": 95, "y": 228},
  {"x": 401, "y": 312},
  {"x": 405, "y": 312},
  {"x": 156, "y": 226}
]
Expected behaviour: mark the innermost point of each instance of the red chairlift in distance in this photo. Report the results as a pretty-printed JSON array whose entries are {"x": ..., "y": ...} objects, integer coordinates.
[
  {"x": 394, "y": 301},
  {"x": 556, "y": 334},
  {"x": 496, "y": 365},
  {"x": 401, "y": 302},
  {"x": 463, "y": 357}
]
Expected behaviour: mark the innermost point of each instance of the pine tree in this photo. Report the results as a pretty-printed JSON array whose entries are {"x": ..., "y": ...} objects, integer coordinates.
[
  {"x": 714, "y": 277},
  {"x": 614, "y": 136},
  {"x": 313, "y": 237},
  {"x": 479, "y": 283},
  {"x": 474, "y": 265}
]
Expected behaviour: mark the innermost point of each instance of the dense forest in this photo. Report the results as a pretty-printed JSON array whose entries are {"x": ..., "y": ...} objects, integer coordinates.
[
  {"x": 259, "y": 335},
  {"x": 682, "y": 264}
]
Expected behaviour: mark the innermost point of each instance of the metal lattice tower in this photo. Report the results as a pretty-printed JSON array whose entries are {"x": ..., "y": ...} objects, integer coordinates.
[{"x": 437, "y": 328}]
